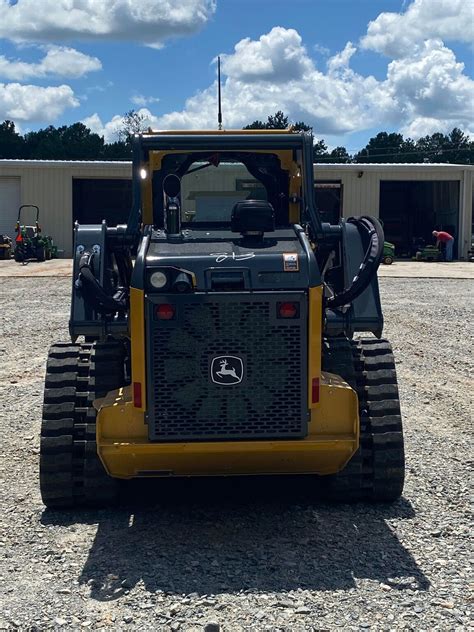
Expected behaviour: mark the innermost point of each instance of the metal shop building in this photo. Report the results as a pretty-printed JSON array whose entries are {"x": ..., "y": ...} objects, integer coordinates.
[{"x": 410, "y": 199}]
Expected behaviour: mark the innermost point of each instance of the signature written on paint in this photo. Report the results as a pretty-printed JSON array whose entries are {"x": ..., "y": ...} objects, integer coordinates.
[{"x": 223, "y": 256}]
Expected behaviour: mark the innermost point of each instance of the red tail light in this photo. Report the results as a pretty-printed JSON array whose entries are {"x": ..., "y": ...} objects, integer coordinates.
[
  {"x": 287, "y": 310},
  {"x": 315, "y": 390},
  {"x": 165, "y": 311},
  {"x": 137, "y": 394}
]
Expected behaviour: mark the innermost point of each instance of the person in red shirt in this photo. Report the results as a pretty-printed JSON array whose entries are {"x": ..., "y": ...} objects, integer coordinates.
[{"x": 442, "y": 237}]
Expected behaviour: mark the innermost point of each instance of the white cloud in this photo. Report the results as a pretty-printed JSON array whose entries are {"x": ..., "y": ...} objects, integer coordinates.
[
  {"x": 259, "y": 82},
  {"x": 432, "y": 90},
  {"x": 148, "y": 21},
  {"x": 111, "y": 129},
  {"x": 141, "y": 100},
  {"x": 322, "y": 50},
  {"x": 59, "y": 61},
  {"x": 278, "y": 56},
  {"x": 103, "y": 87},
  {"x": 395, "y": 34},
  {"x": 68, "y": 62},
  {"x": 34, "y": 103},
  {"x": 425, "y": 92},
  {"x": 340, "y": 62},
  {"x": 94, "y": 123},
  {"x": 424, "y": 126}
]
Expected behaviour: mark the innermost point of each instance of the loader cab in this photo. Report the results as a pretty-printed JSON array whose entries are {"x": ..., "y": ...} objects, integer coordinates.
[
  {"x": 212, "y": 183},
  {"x": 235, "y": 242}
]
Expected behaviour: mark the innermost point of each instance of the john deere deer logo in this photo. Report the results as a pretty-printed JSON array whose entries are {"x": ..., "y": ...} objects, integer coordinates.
[{"x": 227, "y": 370}]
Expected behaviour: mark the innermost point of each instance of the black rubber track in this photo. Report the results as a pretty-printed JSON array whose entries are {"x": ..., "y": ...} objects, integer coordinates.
[
  {"x": 71, "y": 473},
  {"x": 376, "y": 472}
]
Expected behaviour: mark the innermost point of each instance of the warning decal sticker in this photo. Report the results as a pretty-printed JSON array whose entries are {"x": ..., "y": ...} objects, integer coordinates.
[{"x": 290, "y": 262}]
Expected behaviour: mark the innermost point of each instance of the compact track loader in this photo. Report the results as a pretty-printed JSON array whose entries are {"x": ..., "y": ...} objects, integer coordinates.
[{"x": 217, "y": 333}]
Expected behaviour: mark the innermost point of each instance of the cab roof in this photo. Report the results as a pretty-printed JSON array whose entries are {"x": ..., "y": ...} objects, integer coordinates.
[{"x": 223, "y": 132}]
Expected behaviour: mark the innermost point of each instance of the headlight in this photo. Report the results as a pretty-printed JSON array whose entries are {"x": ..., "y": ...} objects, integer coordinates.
[{"x": 158, "y": 279}]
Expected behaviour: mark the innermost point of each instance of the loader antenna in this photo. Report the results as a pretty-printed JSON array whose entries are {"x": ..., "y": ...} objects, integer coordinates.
[{"x": 219, "y": 104}]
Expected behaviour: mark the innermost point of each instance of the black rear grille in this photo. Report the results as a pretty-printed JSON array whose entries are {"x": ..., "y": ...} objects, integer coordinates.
[{"x": 271, "y": 399}]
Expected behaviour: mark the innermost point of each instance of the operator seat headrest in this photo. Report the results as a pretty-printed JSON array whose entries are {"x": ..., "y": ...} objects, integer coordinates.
[{"x": 252, "y": 217}]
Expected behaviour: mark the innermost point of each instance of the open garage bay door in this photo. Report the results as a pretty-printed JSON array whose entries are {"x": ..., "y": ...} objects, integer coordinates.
[
  {"x": 328, "y": 200},
  {"x": 95, "y": 199},
  {"x": 412, "y": 209},
  {"x": 9, "y": 204}
]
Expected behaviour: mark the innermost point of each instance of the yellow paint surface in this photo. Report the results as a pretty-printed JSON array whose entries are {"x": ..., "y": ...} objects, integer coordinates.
[
  {"x": 123, "y": 446},
  {"x": 315, "y": 324},
  {"x": 137, "y": 335}
]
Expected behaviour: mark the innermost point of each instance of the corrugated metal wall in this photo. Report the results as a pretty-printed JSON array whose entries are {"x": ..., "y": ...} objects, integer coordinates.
[
  {"x": 361, "y": 187},
  {"x": 49, "y": 186},
  {"x": 9, "y": 204}
]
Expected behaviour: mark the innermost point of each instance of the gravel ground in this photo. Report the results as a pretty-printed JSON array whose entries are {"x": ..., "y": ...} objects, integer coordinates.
[{"x": 246, "y": 555}]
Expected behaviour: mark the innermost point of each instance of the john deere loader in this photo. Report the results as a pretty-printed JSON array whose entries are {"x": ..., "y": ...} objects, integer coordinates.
[{"x": 218, "y": 332}]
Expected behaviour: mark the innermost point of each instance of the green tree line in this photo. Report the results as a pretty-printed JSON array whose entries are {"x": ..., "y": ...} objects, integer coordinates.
[
  {"x": 78, "y": 142},
  {"x": 455, "y": 147}
]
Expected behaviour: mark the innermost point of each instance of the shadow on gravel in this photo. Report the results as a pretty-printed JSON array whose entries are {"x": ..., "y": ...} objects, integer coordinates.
[{"x": 227, "y": 535}]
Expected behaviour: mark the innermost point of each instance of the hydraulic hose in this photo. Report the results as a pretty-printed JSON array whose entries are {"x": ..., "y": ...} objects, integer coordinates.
[
  {"x": 93, "y": 292},
  {"x": 368, "y": 267}
]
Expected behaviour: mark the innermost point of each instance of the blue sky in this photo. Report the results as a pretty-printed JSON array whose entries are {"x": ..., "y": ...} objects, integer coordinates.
[{"x": 350, "y": 68}]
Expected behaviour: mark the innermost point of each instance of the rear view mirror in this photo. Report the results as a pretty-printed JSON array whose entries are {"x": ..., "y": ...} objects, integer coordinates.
[{"x": 172, "y": 185}]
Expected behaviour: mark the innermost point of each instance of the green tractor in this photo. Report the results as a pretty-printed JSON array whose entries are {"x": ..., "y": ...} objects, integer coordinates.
[
  {"x": 5, "y": 247},
  {"x": 429, "y": 253},
  {"x": 30, "y": 244},
  {"x": 388, "y": 253}
]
